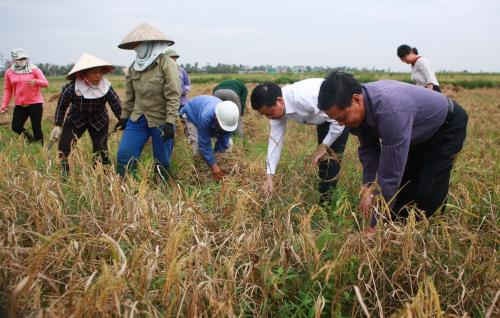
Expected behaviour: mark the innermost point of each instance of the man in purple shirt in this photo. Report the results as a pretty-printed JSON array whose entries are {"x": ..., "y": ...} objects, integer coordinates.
[{"x": 409, "y": 137}]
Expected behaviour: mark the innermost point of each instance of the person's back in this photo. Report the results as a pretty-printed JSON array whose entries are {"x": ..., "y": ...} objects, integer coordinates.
[
  {"x": 422, "y": 73},
  {"x": 236, "y": 86},
  {"x": 390, "y": 101},
  {"x": 301, "y": 98},
  {"x": 201, "y": 109}
]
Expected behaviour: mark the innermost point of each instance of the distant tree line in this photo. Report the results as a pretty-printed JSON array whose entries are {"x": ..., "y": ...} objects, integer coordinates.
[
  {"x": 55, "y": 70},
  {"x": 51, "y": 69},
  {"x": 60, "y": 70},
  {"x": 221, "y": 68}
]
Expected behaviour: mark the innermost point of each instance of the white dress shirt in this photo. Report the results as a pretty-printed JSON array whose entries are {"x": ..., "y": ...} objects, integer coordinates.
[{"x": 301, "y": 105}]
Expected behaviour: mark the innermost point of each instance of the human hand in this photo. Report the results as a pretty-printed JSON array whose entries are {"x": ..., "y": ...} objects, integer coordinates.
[
  {"x": 217, "y": 172},
  {"x": 55, "y": 134},
  {"x": 121, "y": 124},
  {"x": 321, "y": 151},
  {"x": 366, "y": 201},
  {"x": 268, "y": 187}
]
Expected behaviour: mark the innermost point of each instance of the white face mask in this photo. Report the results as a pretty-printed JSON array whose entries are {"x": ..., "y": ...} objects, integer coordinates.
[
  {"x": 143, "y": 50},
  {"x": 146, "y": 54},
  {"x": 21, "y": 63}
]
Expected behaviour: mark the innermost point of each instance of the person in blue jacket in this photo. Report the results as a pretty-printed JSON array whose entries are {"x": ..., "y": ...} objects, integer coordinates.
[{"x": 206, "y": 117}]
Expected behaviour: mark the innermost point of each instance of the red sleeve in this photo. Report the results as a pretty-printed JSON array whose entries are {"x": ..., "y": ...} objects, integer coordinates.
[
  {"x": 7, "y": 90},
  {"x": 40, "y": 78}
]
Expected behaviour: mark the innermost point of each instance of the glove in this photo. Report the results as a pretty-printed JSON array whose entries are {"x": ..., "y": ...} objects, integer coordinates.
[
  {"x": 55, "y": 134},
  {"x": 167, "y": 131},
  {"x": 121, "y": 124}
]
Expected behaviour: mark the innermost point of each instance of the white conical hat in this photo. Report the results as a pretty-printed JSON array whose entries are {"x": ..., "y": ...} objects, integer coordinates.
[
  {"x": 88, "y": 61},
  {"x": 143, "y": 32}
]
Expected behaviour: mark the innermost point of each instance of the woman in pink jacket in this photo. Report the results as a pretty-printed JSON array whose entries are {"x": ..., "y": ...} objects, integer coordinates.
[{"x": 24, "y": 80}]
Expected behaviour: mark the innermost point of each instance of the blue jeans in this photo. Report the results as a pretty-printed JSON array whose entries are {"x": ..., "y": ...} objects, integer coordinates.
[{"x": 133, "y": 140}]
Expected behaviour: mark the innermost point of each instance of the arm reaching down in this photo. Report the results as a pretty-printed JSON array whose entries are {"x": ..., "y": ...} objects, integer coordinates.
[
  {"x": 275, "y": 144},
  {"x": 395, "y": 134},
  {"x": 114, "y": 102}
]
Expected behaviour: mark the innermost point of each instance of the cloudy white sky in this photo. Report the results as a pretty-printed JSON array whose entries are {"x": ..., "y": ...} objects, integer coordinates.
[{"x": 454, "y": 35}]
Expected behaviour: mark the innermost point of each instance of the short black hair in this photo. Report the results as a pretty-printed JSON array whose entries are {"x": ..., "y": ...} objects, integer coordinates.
[
  {"x": 337, "y": 90},
  {"x": 405, "y": 49},
  {"x": 265, "y": 95}
]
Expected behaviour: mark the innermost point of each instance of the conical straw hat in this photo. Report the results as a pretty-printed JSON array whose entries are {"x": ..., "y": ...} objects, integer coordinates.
[
  {"x": 88, "y": 61},
  {"x": 143, "y": 32}
]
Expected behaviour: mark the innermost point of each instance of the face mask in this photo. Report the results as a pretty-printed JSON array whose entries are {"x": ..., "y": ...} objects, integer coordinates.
[
  {"x": 21, "y": 63},
  {"x": 143, "y": 50}
]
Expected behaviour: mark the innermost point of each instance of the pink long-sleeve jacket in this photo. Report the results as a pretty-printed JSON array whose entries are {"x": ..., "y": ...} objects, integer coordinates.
[{"x": 20, "y": 86}]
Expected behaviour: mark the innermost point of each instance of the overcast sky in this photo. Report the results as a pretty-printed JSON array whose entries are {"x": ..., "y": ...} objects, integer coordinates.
[{"x": 454, "y": 35}]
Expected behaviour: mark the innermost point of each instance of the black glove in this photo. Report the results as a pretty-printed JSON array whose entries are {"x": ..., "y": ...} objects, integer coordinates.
[
  {"x": 120, "y": 125},
  {"x": 167, "y": 131}
]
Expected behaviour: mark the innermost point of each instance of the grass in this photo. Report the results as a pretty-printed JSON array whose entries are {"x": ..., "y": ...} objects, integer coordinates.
[
  {"x": 456, "y": 80},
  {"x": 96, "y": 246}
]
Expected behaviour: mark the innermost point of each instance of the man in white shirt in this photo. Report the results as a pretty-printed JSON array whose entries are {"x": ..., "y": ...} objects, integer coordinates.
[{"x": 299, "y": 102}]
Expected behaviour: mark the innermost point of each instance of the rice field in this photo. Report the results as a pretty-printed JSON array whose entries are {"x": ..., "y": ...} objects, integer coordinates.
[{"x": 94, "y": 245}]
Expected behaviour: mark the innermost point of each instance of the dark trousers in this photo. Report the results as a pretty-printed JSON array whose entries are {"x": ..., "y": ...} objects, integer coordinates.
[
  {"x": 426, "y": 178},
  {"x": 329, "y": 168},
  {"x": 70, "y": 135},
  {"x": 34, "y": 113}
]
